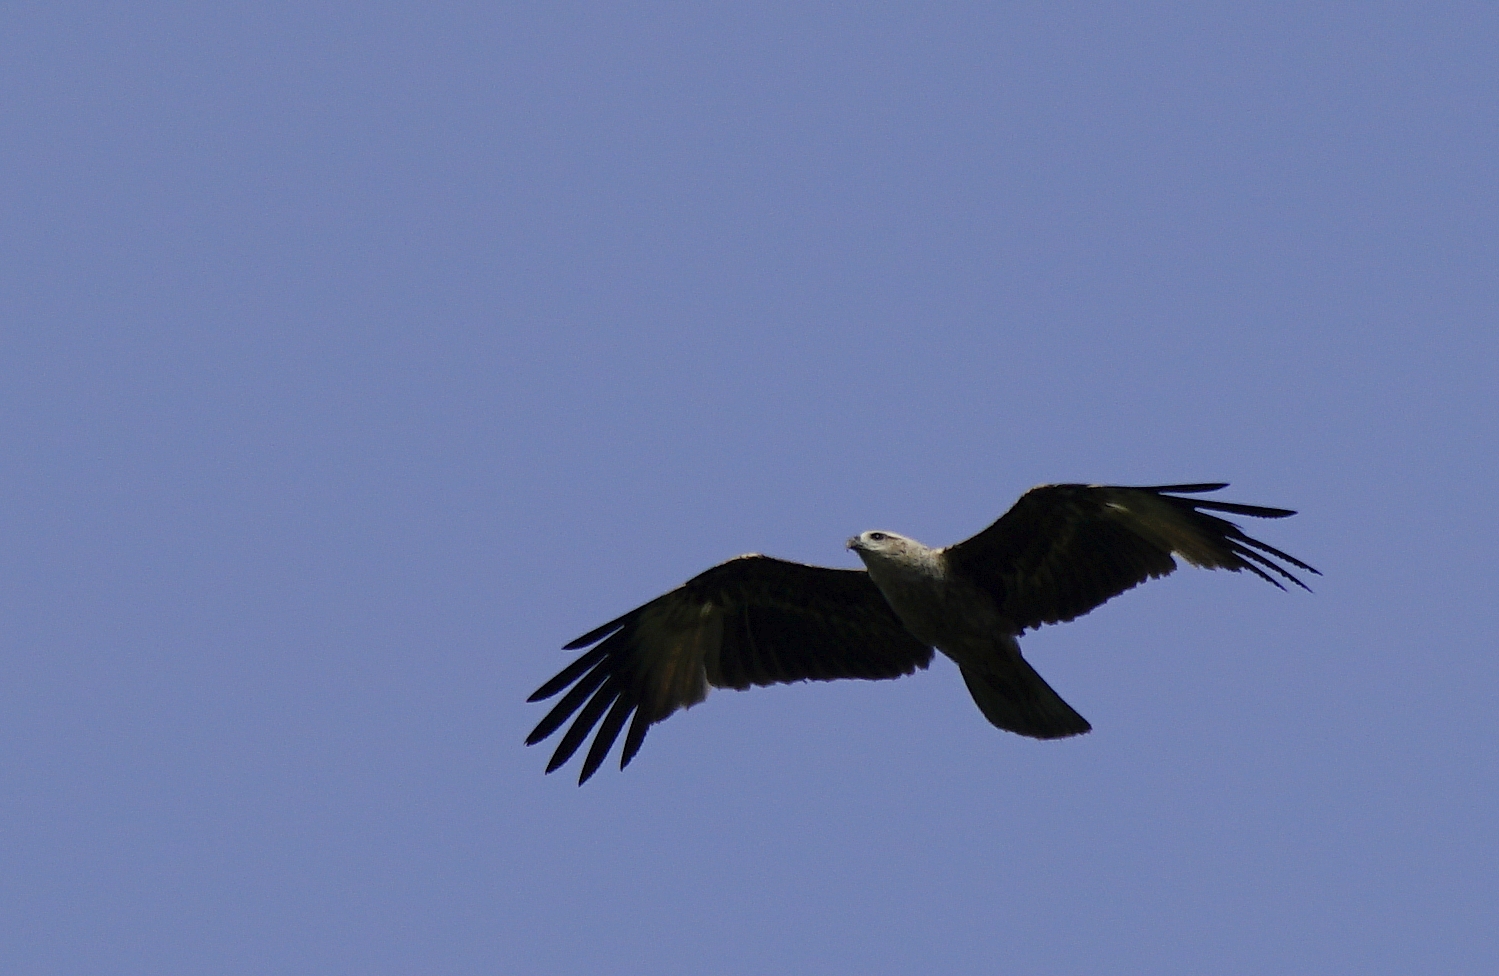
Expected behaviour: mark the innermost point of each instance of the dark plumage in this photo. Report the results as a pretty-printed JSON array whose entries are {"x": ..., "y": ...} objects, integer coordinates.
[{"x": 1058, "y": 553}]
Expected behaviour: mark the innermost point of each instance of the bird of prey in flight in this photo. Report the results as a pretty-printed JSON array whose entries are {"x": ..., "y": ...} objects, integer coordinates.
[{"x": 1058, "y": 553}]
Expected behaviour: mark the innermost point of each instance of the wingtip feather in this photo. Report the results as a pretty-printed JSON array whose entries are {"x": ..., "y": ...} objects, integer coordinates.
[
  {"x": 569, "y": 674},
  {"x": 603, "y": 741},
  {"x": 636, "y": 737},
  {"x": 1188, "y": 489},
  {"x": 599, "y": 633},
  {"x": 570, "y": 703}
]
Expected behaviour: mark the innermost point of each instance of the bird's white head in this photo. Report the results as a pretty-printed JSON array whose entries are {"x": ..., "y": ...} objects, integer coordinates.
[
  {"x": 896, "y": 562},
  {"x": 879, "y": 544}
]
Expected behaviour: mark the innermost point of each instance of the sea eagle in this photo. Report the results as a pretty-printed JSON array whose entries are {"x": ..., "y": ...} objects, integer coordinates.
[{"x": 1058, "y": 553}]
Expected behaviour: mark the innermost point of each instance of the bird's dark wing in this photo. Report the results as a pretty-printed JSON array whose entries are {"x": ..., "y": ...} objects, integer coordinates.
[
  {"x": 753, "y": 620},
  {"x": 1064, "y": 549}
]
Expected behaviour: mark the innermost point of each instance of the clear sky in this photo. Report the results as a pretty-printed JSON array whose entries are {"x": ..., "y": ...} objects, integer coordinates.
[{"x": 358, "y": 356}]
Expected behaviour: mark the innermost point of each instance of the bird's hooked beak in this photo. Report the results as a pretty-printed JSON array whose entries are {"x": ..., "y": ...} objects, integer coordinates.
[{"x": 853, "y": 542}]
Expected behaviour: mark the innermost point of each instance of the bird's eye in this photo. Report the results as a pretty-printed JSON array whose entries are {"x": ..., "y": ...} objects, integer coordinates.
[{"x": 877, "y": 536}]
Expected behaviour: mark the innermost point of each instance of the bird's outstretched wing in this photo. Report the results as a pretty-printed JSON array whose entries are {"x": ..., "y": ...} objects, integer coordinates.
[
  {"x": 753, "y": 620},
  {"x": 1064, "y": 549}
]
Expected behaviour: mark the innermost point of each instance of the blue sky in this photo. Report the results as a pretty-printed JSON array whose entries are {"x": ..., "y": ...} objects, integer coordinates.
[{"x": 356, "y": 357}]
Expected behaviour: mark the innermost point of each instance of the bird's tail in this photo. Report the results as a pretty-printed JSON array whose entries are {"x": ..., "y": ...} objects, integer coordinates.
[{"x": 1014, "y": 697}]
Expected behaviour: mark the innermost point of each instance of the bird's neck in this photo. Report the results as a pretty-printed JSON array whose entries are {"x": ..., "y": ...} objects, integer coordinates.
[{"x": 912, "y": 583}]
